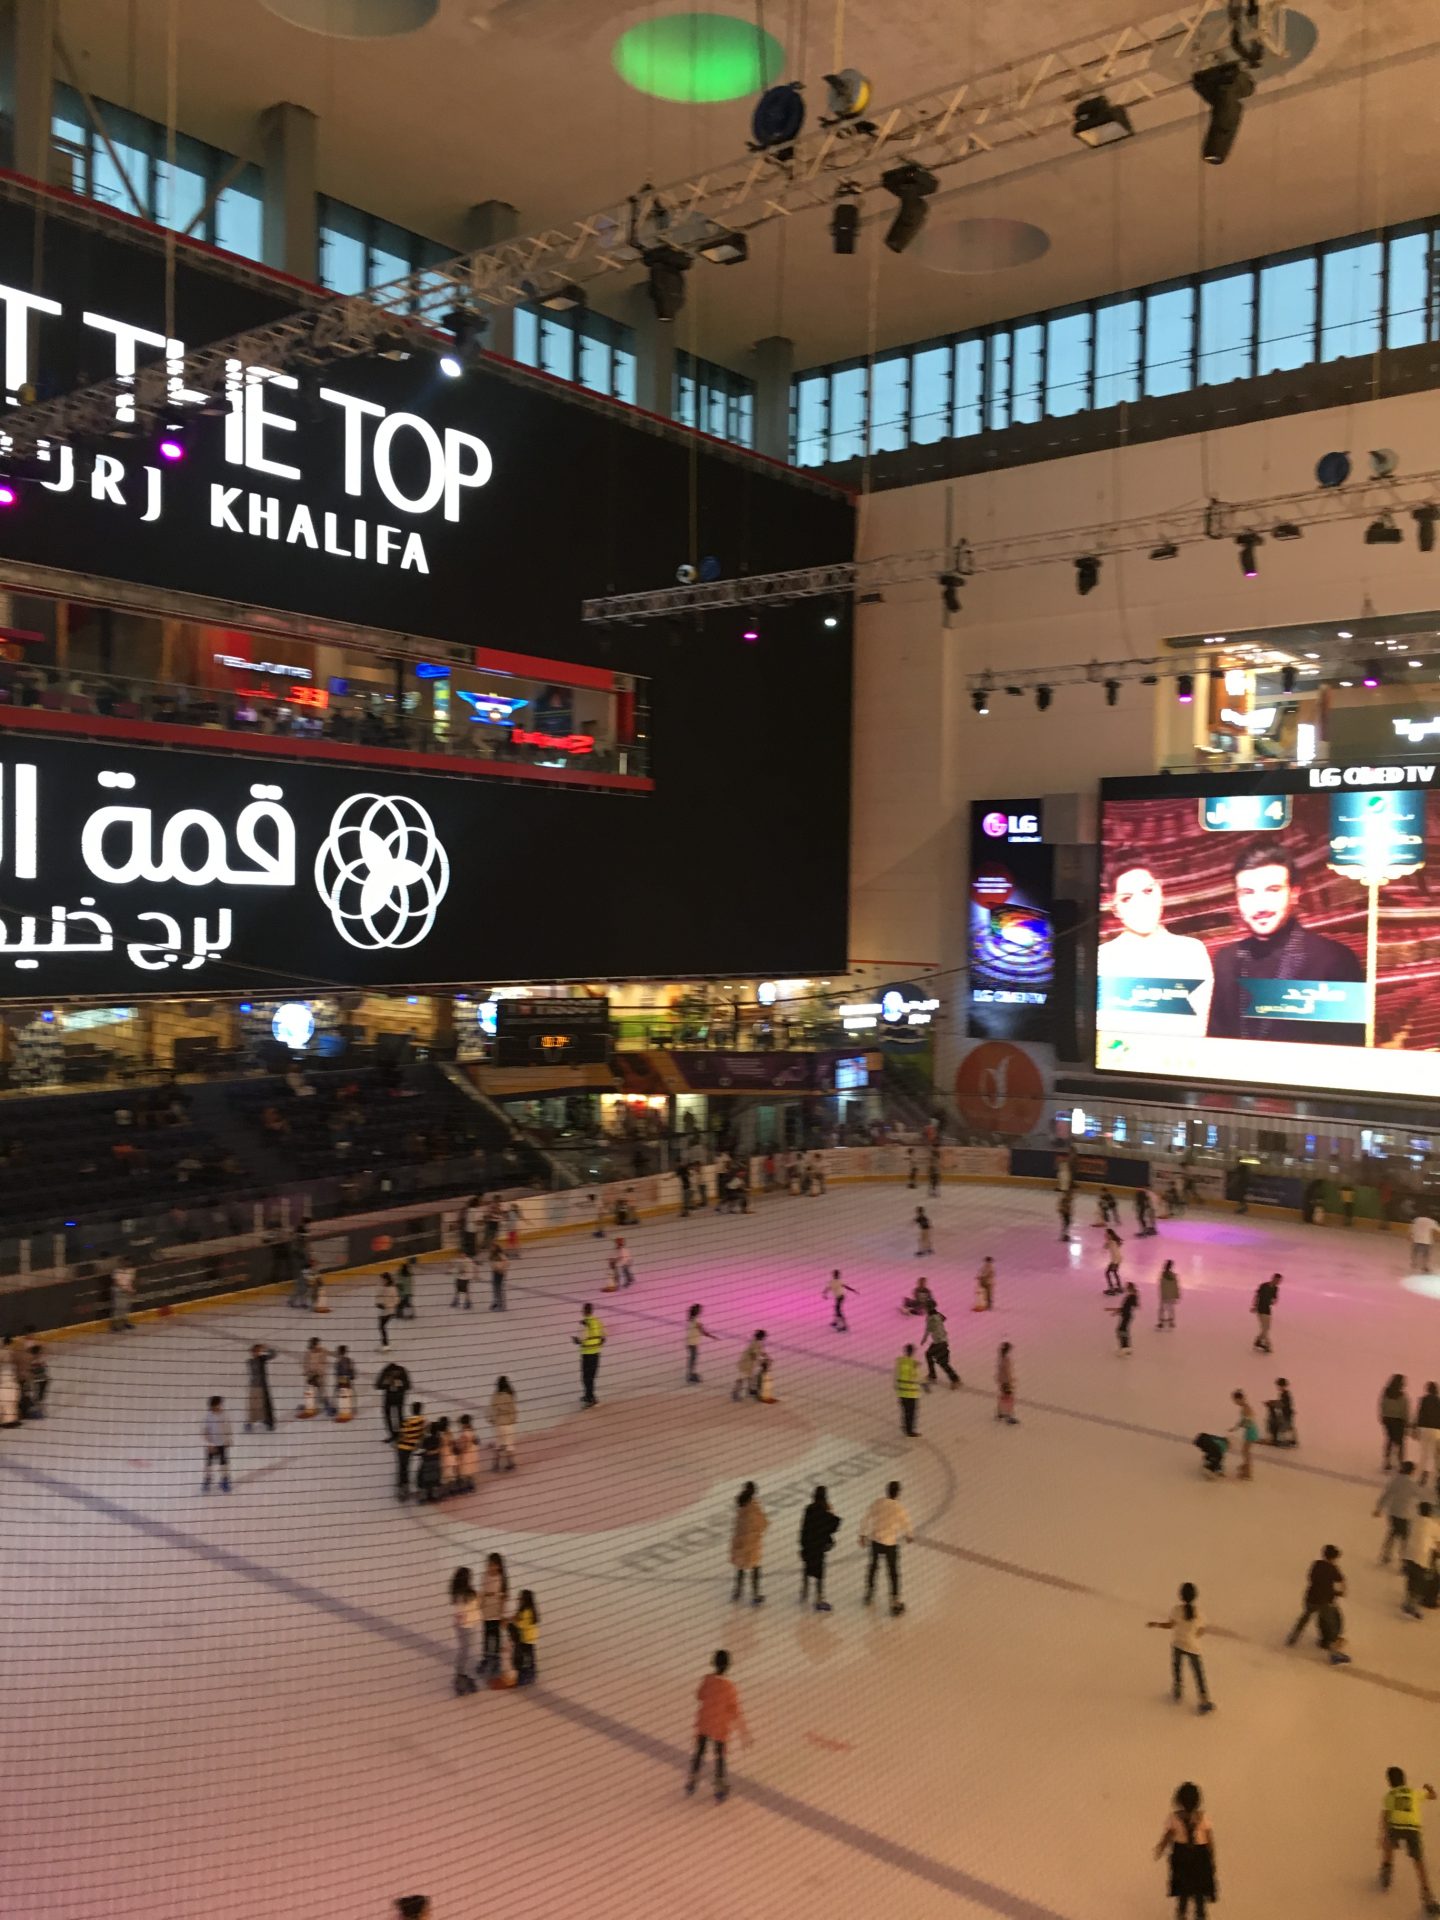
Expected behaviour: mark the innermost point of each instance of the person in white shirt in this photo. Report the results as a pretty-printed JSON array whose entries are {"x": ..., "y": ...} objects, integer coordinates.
[
  {"x": 1145, "y": 949},
  {"x": 217, "y": 1443},
  {"x": 1186, "y": 1626},
  {"x": 1421, "y": 1545},
  {"x": 882, "y": 1530},
  {"x": 1422, "y": 1237},
  {"x": 122, "y": 1297}
]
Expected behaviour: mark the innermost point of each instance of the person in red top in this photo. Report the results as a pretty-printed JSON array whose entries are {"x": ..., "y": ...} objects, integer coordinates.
[{"x": 717, "y": 1719}]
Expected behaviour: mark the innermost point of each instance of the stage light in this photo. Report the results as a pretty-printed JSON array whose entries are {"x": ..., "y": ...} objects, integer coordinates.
[
  {"x": 845, "y": 222},
  {"x": 1167, "y": 550},
  {"x": 726, "y": 249},
  {"x": 171, "y": 445},
  {"x": 980, "y": 700},
  {"x": 1184, "y": 689},
  {"x": 1287, "y": 530},
  {"x": 1043, "y": 697},
  {"x": 778, "y": 117},
  {"x": 1425, "y": 518},
  {"x": 1287, "y": 679},
  {"x": 1383, "y": 533},
  {"x": 831, "y": 620},
  {"x": 912, "y": 186},
  {"x": 751, "y": 634},
  {"x": 467, "y": 331},
  {"x": 1247, "y": 543},
  {"x": 9, "y": 494},
  {"x": 666, "y": 268},
  {"x": 950, "y": 592},
  {"x": 562, "y": 299},
  {"x": 1371, "y": 676},
  {"x": 1087, "y": 573},
  {"x": 1224, "y": 89},
  {"x": 1098, "y": 124},
  {"x": 1112, "y": 692},
  {"x": 849, "y": 93}
]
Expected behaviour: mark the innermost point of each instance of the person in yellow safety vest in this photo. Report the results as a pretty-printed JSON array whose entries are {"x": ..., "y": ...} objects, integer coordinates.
[
  {"x": 590, "y": 1339},
  {"x": 1401, "y": 1830},
  {"x": 907, "y": 1387}
]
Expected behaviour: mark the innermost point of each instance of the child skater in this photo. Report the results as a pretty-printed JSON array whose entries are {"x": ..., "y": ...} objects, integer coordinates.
[
  {"x": 1005, "y": 1386},
  {"x": 524, "y": 1636},
  {"x": 985, "y": 1287},
  {"x": 835, "y": 1291},
  {"x": 467, "y": 1455}
]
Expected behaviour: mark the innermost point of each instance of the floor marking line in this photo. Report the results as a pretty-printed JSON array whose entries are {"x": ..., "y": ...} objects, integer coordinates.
[{"x": 889, "y": 1853}]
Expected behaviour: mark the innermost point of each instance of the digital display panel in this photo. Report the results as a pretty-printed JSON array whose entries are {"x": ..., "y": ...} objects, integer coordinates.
[
  {"x": 1012, "y": 940},
  {"x": 1277, "y": 929}
]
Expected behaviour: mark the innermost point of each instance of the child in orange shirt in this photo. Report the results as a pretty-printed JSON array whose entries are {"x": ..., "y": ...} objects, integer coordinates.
[{"x": 718, "y": 1717}]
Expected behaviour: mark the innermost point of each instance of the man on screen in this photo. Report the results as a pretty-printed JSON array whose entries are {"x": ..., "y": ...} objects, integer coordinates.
[{"x": 1277, "y": 946}]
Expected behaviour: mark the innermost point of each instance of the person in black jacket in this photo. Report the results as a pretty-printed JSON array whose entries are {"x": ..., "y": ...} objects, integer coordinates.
[
  {"x": 1275, "y": 948},
  {"x": 818, "y": 1528},
  {"x": 259, "y": 1407},
  {"x": 394, "y": 1382}
]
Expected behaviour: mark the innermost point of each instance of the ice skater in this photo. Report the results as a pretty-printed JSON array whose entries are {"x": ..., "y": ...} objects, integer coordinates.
[
  {"x": 1324, "y": 1589},
  {"x": 499, "y": 1267},
  {"x": 1402, "y": 1815},
  {"x": 835, "y": 1291},
  {"x": 1280, "y": 1417},
  {"x": 883, "y": 1528},
  {"x": 217, "y": 1443},
  {"x": 985, "y": 1286},
  {"x": 1005, "y": 1386},
  {"x": 1065, "y": 1207},
  {"x": 1422, "y": 1582},
  {"x": 922, "y": 1228},
  {"x": 1263, "y": 1306},
  {"x": 464, "y": 1268},
  {"x": 907, "y": 1390},
  {"x": 933, "y": 1172},
  {"x": 1107, "y": 1210},
  {"x": 936, "y": 1343},
  {"x": 259, "y": 1407},
  {"x": 1427, "y": 1434},
  {"x": 503, "y": 1413},
  {"x": 1186, "y": 1626},
  {"x": 747, "y": 1543},
  {"x": 1397, "y": 1502},
  {"x": 465, "y": 1611},
  {"x": 467, "y": 1455},
  {"x": 747, "y": 1366},
  {"x": 1124, "y": 1315},
  {"x": 1246, "y": 1433},
  {"x": 1189, "y": 1839},
  {"x": 315, "y": 1367},
  {"x": 387, "y": 1305},
  {"x": 393, "y": 1382},
  {"x": 494, "y": 1598},
  {"x": 1169, "y": 1291},
  {"x": 1395, "y": 1419},
  {"x": 695, "y": 1332},
  {"x": 718, "y": 1717},
  {"x": 1114, "y": 1253},
  {"x": 818, "y": 1528},
  {"x": 590, "y": 1339},
  {"x": 405, "y": 1289}
]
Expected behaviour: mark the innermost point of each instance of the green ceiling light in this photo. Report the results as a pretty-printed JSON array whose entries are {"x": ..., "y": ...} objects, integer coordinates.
[{"x": 700, "y": 57}]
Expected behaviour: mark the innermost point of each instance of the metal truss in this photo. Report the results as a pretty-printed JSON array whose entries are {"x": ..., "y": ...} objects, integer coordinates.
[
  {"x": 1217, "y": 520},
  {"x": 1020, "y": 103}
]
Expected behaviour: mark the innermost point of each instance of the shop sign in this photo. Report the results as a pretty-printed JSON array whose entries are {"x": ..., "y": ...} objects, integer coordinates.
[
  {"x": 280, "y": 669},
  {"x": 1395, "y": 776},
  {"x": 416, "y": 470},
  {"x": 557, "y": 742}
]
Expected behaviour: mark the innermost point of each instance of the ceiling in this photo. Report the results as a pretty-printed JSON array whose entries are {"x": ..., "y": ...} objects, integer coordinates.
[{"x": 517, "y": 100}]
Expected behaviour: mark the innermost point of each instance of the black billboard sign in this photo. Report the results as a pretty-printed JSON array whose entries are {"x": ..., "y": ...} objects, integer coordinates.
[{"x": 547, "y": 1033}]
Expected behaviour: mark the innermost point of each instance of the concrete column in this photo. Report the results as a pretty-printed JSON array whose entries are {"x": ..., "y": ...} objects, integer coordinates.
[
  {"x": 774, "y": 367},
  {"x": 488, "y": 225},
  {"x": 27, "y": 82},
  {"x": 654, "y": 354},
  {"x": 290, "y": 236}
]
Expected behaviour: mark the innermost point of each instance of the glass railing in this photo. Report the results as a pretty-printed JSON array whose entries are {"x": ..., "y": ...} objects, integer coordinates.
[{"x": 543, "y": 737}]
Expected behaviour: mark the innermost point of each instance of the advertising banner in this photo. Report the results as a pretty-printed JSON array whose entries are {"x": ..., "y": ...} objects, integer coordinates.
[
  {"x": 569, "y": 1032},
  {"x": 1012, "y": 936},
  {"x": 1272, "y": 929}
]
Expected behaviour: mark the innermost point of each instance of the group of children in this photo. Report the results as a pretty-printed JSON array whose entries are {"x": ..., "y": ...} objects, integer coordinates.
[
  {"x": 487, "y": 1609},
  {"x": 448, "y": 1458}
]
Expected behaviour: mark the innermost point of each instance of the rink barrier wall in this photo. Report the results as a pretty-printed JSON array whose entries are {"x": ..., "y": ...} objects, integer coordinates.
[{"x": 231, "y": 1272}]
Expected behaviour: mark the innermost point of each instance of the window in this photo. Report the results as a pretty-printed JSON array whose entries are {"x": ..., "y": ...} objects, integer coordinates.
[
  {"x": 1227, "y": 328},
  {"x": 715, "y": 400},
  {"x": 1350, "y": 300},
  {"x": 1117, "y": 352},
  {"x": 557, "y": 346},
  {"x": 342, "y": 248},
  {"x": 1028, "y": 374},
  {"x": 1169, "y": 340},
  {"x": 183, "y": 192},
  {"x": 811, "y": 419},
  {"x": 1067, "y": 364},
  {"x": 1287, "y": 315},
  {"x": 359, "y": 253},
  {"x": 930, "y": 395},
  {"x": 1407, "y": 290},
  {"x": 969, "y": 387},
  {"x": 596, "y": 363},
  {"x": 997, "y": 383},
  {"x": 527, "y": 337},
  {"x": 847, "y": 414},
  {"x": 889, "y": 385}
]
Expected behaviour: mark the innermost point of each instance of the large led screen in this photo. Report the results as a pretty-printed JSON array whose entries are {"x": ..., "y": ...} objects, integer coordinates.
[
  {"x": 1281, "y": 929},
  {"x": 1012, "y": 942}
]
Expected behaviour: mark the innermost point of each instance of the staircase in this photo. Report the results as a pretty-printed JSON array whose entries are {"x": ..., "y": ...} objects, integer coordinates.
[
  {"x": 210, "y": 1108},
  {"x": 560, "y": 1175}
]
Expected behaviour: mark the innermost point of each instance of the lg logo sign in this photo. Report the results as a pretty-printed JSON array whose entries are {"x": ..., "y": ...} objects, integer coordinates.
[{"x": 1012, "y": 826}]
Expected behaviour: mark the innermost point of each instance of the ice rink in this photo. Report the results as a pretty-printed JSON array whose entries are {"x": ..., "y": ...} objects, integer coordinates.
[{"x": 226, "y": 1707}]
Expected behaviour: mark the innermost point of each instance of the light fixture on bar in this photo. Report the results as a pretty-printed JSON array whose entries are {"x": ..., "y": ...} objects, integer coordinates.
[{"x": 1099, "y": 124}]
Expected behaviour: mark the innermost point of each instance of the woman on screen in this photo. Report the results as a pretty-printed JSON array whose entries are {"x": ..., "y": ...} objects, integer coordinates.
[{"x": 1151, "y": 980}]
